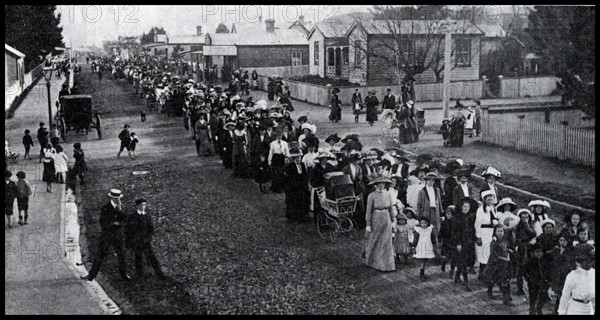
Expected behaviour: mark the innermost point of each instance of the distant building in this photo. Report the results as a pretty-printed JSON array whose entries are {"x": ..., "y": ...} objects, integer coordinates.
[
  {"x": 14, "y": 74},
  {"x": 257, "y": 46},
  {"x": 164, "y": 45}
]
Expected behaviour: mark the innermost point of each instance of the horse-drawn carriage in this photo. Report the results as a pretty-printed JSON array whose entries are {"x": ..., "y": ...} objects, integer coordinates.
[{"x": 76, "y": 113}]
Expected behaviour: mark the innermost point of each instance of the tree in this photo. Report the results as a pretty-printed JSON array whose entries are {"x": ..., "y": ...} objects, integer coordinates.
[
  {"x": 149, "y": 38},
  {"x": 34, "y": 30},
  {"x": 565, "y": 39},
  {"x": 409, "y": 40},
  {"x": 176, "y": 50},
  {"x": 222, "y": 28}
]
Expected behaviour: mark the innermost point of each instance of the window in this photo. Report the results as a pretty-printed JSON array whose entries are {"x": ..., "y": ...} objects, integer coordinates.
[
  {"x": 316, "y": 50},
  {"x": 463, "y": 52},
  {"x": 345, "y": 55},
  {"x": 407, "y": 50},
  {"x": 357, "y": 54},
  {"x": 296, "y": 58}
]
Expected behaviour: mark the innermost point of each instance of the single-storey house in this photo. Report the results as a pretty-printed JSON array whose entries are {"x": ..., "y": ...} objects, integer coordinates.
[
  {"x": 374, "y": 48},
  {"x": 14, "y": 74},
  {"x": 257, "y": 46}
]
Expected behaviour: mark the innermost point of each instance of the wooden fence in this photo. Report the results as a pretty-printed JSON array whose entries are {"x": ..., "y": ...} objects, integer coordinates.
[
  {"x": 575, "y": 145},
  {"x": 527, "y": 87}
]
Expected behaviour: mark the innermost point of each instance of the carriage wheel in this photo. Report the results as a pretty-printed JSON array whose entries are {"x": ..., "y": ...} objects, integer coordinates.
[
  {"x": 334, "y": 230},
  {"x": 322, "y": 225},
  {"x": 350, "y": 229},
  {"x": 98, "y": 126},
  {"x": 62, "y": 128}
]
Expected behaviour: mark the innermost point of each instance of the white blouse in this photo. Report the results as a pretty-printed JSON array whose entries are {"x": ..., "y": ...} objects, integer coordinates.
[{"x": 580, "y": 284}]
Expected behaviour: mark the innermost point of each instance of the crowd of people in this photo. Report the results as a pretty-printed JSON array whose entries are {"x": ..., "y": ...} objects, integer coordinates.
[{"x": 425, "y": 210}]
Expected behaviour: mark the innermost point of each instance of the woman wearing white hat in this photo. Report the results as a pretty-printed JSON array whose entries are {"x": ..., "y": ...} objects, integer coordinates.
[
  {"x": 379, "y": 250},
  {"x": 485, "y": 220},
  {"x": 539, "y": 208},
  {"x": 491, "y": 175}
]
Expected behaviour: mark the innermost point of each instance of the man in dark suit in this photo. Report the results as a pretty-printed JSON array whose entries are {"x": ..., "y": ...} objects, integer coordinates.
[
  {"x": 355, "y": 172},
  {"x": 138, "y": 237},
  {"x": 462, "y": 190},
  {"x": 259, "y": 147},
  {"x": 112, "y": 219},
  {"x": 227, "y": 145},
  {"x": 389, "y": 101},
  {"x": 296, "y": 188}
]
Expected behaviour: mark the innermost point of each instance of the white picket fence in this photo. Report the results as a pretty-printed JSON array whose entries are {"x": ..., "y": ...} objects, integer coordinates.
[{"x": 575, "y": 145}]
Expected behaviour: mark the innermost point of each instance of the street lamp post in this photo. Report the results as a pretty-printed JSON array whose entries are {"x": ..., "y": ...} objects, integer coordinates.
[{"x": 48, "y": 76}]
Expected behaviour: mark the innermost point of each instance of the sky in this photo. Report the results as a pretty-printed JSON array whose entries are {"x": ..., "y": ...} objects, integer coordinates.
[{"x": 91, "y": 24}]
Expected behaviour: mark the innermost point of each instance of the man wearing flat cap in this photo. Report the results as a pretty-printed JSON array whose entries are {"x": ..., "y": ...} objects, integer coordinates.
[
  {"x": 112, "y": 219},
  {"x": 138, "y": 237}
]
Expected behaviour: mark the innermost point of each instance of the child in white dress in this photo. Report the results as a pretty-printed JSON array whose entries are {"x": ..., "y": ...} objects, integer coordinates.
[{"x": 423, "y": 243}]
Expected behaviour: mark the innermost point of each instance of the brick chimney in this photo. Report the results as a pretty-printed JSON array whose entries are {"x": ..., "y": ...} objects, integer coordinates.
[
  {"x": 198, "y": 30},
  {"x": 270, "y": 24}
]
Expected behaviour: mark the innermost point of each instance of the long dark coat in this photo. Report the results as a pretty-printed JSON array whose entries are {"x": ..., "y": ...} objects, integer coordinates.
[
  {"x": 336, "y": 109},
  {"x": 296, "y": 192},
  {"x": 372, "y": 103}
]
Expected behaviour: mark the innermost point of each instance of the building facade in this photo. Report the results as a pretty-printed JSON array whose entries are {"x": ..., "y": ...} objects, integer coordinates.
[{"x": 14, "y": 74}]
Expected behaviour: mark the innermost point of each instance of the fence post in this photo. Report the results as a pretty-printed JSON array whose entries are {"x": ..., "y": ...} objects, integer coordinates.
[
  {"x": 563, "y": 142},
  {"x": 521, "y": 116},
  {"x": 500, "y": 93}
]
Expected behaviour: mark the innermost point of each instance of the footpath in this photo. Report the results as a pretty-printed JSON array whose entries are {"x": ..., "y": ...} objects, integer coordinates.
[{"x": 39, "y": 276}]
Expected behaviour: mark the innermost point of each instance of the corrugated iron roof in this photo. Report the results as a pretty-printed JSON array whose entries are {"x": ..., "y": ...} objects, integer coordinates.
[
  {"x": 14, "y": 51},
  {"x": 381, "y": 27},
  {"x": 187, "y": 39},
  {"x": 492, "y": 30},
  {"x": 257, "y": 35}
]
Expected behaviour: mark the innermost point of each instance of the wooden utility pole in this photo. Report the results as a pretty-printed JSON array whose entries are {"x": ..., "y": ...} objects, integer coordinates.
[{"x": 447, "y": 68}]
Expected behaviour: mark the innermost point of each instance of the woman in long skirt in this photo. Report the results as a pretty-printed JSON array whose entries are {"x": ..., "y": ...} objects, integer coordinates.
[
  {"x": 457, "y": 128},
  {"x": 379, "y": 250},
  {"x": 372, "y": 103},
  {"x": 336, "y": 107},
  {"x": 80, "y": 166},
  {"x": 49, "y": 172},
  {"x": 240, "y": 147},
  {"x": 203, "y": 138}
]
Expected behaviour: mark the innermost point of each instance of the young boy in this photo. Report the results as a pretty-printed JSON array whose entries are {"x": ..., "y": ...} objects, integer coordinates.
[
  {"x": 445, "y": 236},
  {"x": 525, "y": 234},
  {"x": 562, "y": 263},
  {"x": 535, "y": 274},
  {"x": 23, "y": 193},
  {"x": 27, "y": 143},
  {"x": 134, "y": 142},
  {"x": 445, "y": 129}
]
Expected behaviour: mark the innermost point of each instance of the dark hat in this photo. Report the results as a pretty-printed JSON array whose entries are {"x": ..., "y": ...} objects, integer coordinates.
[
  {"x": 401, "y": 158},
  {"x": 388, "y": 90},
  {"x": 433, "y": 164},
  {"x": 416, "y": 171},
  {"x": 452, "y": 165},
  {"x": 27, "y": 131},
  {"x": 352, "y": 145},
  {"x": 7, "y": 174},
  {"x": 432, "y": 176},
  {"x": 41, "y": 124},
  {"x": 140, "y": 200},
  {"x": 350, "y": 137},
  {"x": 423, "y": 158},
  {"x": 295, "y": 152},
  {"x": 463, "y": 173},
  {"x": 333, "y": 137},
  {"x": 379, "y": 152},
  {"x": 311, "y": 140},
  {"x": 583, "y": 252},
  {"x": 21, "y": 175},
  {"x": 536, "y": 246},
  {"x": 335, "y": 90}
]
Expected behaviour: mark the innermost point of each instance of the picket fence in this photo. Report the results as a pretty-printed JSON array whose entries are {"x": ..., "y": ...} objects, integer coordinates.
[{"x": 576, "y": 145}]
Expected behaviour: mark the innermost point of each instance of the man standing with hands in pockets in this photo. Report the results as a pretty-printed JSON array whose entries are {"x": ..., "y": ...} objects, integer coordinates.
[
  {"x": 138, "y": 237},
  {"x": 112, "y": 219}
]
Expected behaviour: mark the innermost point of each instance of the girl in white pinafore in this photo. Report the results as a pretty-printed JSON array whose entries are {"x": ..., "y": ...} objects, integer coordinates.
[
  {"x": 485, "y": 220},
  {"x": 424, "y": 244}
]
